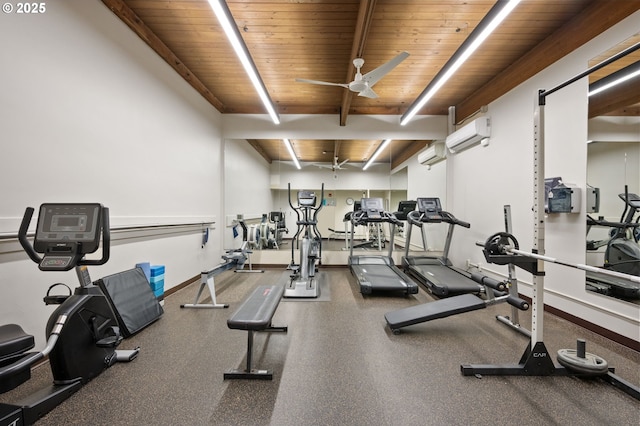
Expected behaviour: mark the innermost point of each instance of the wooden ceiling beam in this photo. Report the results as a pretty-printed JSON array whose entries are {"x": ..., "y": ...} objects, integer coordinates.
[
  {"x": 616, "y": 98},
  {"x": 258, "y": 147},
  {"x": 597, "y": 17},
  {"x": 129, "y": 17},
  {"x": 405, "y": 154},
  {"x": 365, "y": 16},
  {"x": 336, "y": 148}
]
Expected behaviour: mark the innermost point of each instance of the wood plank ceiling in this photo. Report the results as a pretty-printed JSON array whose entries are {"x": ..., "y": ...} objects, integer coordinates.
[{"x": 318, "y": 39}]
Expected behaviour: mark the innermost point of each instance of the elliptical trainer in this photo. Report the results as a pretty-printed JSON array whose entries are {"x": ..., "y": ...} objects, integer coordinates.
[
  {"x": 82, "y": 332},
  {"x": 622, "y": 253},
  {"x": 303, "y": 282}
]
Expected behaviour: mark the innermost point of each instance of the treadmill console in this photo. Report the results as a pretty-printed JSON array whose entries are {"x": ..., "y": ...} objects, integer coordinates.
[
  {"x": 404, "y": 208},
  {"x": 372, "y": 207},
  {"x": 430, "y": 209}
]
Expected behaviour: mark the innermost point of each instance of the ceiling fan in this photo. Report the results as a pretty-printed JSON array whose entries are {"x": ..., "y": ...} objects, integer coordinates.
[
  {"x": 335, "y": 166},
  {"x": 362, "y": 84}
]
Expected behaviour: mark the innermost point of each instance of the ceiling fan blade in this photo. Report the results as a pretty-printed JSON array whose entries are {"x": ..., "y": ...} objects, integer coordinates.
[
  {"x": 323, "y": 83},
  {"x": 372, "y": 77},
  {"x": 343, "y": 163},
  {"x": 368, "y": 93},
  {"x": 324, "y": 166}
]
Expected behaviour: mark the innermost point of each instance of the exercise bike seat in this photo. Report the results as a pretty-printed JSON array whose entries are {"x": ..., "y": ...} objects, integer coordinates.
[{"x": 13, "y": 340}]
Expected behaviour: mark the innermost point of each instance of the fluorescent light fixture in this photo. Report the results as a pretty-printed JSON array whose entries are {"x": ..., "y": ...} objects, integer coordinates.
[
  {"x": 287, "y": 143},
  {"x": 231, "y": 30},
  {"x": 380, "y": 148},
  {"x": 496, "y": 15},
  {"x": 614, "y": 79}
]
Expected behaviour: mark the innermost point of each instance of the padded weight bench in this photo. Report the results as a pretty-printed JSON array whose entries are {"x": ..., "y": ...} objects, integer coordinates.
[
  {"x": 433, "y": 310},
  {"x": 255, "y": 314}
]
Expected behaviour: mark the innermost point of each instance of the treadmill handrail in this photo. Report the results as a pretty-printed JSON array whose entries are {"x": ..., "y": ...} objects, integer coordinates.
[
  {"x": 418, "y": 218},
  {"x": 360, "y": 217}
]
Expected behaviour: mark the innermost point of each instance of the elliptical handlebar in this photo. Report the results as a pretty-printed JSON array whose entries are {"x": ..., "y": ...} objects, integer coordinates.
[
  {"x": 601, "y": 222},
  {"x": 317, "y": 209},
  {"x": 289, "y": 194}
]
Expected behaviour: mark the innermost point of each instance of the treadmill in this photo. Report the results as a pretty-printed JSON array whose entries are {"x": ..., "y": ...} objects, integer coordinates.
[
  {"x": 377, "y": 273},
  {"x": 437, "y": 274}
]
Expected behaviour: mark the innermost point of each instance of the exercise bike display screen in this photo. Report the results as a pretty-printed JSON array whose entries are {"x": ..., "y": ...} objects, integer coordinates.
[
  {"x": 60, "y": 224},
  {"x": 76, "y": 223}
]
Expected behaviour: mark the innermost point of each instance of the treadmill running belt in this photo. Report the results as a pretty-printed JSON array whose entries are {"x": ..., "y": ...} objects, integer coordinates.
[
  {"x": 444, "y": 281},
  {"x": 382, "y": 278}
]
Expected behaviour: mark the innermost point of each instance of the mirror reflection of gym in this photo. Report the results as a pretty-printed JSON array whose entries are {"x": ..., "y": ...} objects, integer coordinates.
[{"x": 613, "y": 164}]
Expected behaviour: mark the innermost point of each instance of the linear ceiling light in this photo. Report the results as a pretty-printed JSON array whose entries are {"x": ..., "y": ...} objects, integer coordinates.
[
  {"x": 614, "y": 79},
  {"x": 225, "y": 18},
  {"x": 287, "y": 143},
  {"x": 380, "y": 148},
  {"x": 490, "y": 22}
]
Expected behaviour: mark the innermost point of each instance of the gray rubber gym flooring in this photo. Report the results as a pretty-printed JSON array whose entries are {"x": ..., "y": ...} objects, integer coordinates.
[{"x": 340, "y": 365}]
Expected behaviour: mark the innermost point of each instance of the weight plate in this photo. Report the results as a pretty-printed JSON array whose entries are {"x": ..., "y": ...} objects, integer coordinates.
[{"x": 590, "y": 364}]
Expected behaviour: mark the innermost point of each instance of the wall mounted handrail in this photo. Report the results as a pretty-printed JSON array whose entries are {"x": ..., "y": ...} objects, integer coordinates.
[{"x": 132, "y": 228}]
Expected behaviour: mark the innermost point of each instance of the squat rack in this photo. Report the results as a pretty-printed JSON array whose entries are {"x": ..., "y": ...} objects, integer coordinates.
[{"x": 536, "y": 360}]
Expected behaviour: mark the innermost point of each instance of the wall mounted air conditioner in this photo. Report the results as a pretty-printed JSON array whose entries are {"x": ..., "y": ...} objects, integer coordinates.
[
  {"x": 433, "y": 154},
  {"x": 469, "y": 134}
]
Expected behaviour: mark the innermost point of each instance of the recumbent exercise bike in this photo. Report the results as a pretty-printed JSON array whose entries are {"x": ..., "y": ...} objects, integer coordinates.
[{"x": 82, "y": 333}]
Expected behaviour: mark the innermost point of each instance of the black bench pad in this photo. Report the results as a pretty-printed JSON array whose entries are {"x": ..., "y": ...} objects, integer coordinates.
[
  {"x": 433, "y": 310},
  {"x": 256, "y": 311}
]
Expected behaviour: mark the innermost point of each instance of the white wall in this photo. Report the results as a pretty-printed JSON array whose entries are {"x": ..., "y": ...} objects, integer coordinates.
[
  {"x": 429, "y": 181},
  {"x": 246, "y": 185},
  {"x": 481, "y": 180},
  {"x": 89, "y": 113}
]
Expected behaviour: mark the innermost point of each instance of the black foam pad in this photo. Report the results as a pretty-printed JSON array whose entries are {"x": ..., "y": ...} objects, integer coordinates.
[{"x": 132, "y": 299}]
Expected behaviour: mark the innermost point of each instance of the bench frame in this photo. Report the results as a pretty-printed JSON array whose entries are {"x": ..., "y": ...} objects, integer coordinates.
[{"x": 249, "y": 372}]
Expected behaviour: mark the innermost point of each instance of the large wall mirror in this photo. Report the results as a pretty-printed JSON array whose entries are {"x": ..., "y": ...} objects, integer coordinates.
[
  {"x": 258, "y": 192},
  {"x": 613, "y": 167}
]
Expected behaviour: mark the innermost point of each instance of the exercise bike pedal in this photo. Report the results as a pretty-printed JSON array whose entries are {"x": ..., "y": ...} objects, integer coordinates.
[{"x": 127, "y": 355}]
